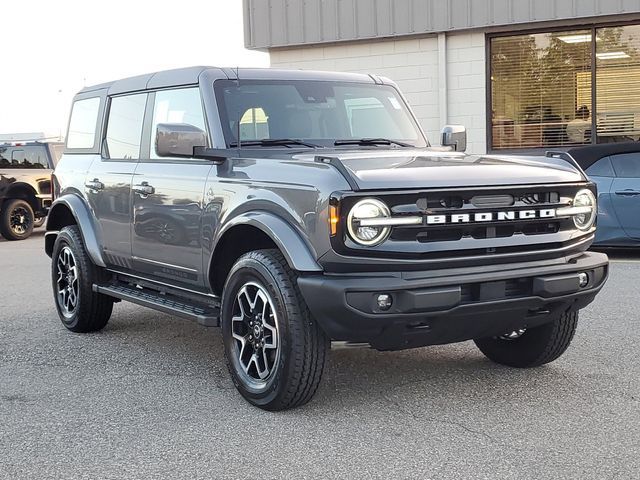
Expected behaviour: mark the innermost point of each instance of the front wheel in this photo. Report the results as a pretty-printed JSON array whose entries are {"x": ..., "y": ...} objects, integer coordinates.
[
  {"x": 275, "y": 350},
  {"x": 73, "y": 275},
  {"x": 531, "y": 347},
  {"x": 16, "y": 220}
]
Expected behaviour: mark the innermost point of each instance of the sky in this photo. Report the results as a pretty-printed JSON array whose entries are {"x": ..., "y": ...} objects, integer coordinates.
[{"x": 52, "y": 48}]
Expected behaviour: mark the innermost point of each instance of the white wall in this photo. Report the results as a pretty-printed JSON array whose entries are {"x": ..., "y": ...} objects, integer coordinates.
[{"x": 413, "y": 65}]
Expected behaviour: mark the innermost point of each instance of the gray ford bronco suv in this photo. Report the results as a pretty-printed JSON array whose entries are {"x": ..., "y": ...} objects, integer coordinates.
[{"x": 297, "y": 208}]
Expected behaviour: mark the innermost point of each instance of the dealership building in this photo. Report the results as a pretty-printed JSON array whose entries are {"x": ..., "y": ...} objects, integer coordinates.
[{"x": 521, "y": 75}]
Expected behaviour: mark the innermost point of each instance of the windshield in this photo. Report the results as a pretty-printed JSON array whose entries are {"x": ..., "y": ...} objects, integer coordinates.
[{"x": 317, "y": 112}]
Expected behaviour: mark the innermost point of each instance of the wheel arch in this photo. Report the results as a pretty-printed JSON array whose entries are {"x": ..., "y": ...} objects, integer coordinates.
[
  {"x": 22, "y": 191},
  {"x": 255, "y": 231},
  {"x": 70, "y": 209}
]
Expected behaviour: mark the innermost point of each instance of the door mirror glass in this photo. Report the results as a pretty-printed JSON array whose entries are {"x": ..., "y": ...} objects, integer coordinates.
[
  {"x": 178, "y": 139},
  {"x": 454, "y": 136}
]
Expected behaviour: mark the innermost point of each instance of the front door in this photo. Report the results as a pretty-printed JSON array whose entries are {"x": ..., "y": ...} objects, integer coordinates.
[
  {"x": 168, "y": 198},
  {"x": 108, "y": 182},
  {"x": 625, "y": 192}
]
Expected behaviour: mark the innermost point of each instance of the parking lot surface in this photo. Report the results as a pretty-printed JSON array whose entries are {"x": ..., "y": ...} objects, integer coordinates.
[{"x": 150, "y": 397}]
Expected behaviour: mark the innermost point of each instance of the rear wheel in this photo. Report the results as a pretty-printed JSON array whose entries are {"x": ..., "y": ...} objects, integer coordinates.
[
  {"x": 275, "y": 350},
  {"x": 531, "y": 347},
  {"x": 73, "y": 275},
  {"x": 16, "y": 220}
]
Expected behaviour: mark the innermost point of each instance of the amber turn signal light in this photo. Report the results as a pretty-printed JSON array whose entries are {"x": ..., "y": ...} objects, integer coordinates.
[{"x": 333, "y": 220}]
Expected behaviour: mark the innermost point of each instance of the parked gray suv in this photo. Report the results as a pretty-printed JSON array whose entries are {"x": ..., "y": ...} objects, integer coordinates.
[{"x": 297, "y": 208}]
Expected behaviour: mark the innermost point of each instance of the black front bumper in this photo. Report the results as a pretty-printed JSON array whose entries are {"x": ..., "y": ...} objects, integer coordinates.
[{"x": 436, "y": 307}]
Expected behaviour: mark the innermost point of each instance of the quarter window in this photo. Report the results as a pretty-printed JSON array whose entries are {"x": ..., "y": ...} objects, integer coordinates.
[
  {"x": 124, "y": 128},
  {"x": 626, "y": 165},
  {"x": 176, "y": 106},
  {"x": 602, "y": 168},
  {"x": 82, "y": 126}
]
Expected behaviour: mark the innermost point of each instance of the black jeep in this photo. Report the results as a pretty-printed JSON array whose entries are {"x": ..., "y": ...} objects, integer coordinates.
[
  {"x": 25, "y": 186},
  {"x": 297, "y": 208}
]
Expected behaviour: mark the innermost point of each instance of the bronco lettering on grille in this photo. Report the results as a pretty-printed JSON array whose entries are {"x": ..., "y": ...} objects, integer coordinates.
[{"x": 490, "y": 216}]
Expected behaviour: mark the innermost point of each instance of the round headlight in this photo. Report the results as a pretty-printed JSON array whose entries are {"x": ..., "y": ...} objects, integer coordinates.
[
  {"x": 368, "y": 209},
  {"x": 585, "y": 198}
]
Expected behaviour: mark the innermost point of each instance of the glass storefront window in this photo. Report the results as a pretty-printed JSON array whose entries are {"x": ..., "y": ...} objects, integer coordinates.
[
  {"x": 541, "y": 90},
  {"x": 618, "y": 84},
  {"x": 542, "y": 93}
]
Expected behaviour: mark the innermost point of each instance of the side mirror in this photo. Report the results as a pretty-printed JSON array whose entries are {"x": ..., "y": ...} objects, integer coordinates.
[
  {"x": 178, "y": 139},
  {"x": 454, "y": 136}
]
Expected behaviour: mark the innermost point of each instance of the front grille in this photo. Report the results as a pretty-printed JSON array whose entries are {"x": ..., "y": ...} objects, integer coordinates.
[{"x": 489, "y": 221}]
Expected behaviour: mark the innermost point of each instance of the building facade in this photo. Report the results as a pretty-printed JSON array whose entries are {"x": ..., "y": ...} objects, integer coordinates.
[{"x": 521, "y": 75}]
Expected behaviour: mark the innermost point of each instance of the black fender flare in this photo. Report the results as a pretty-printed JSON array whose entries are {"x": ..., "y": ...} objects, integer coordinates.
[
  {"x": 296, "y": 250},
  {"x": 84, "y": 219}
]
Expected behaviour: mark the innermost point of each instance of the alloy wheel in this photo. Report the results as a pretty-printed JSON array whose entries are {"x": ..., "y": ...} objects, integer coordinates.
[
  {"x": 19, "y": 220},
  {"x": 513, "y": 335},
  {"x": 254, "y": 328},
  {"x": 67, "y": 281}
]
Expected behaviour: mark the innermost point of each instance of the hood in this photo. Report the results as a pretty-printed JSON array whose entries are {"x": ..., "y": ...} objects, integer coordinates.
[{"x": 416, "y": 168}]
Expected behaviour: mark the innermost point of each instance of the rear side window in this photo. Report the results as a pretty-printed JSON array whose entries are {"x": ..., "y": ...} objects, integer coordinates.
[
  {"x": 24, "y": 156},
  {"x": 29, "y": 156},
  {"x": 626, "y": 165},
  {"x": 124, "y": 127},
  {"x": 602, "y": 168},
  {"x": 82, "y": 125}
]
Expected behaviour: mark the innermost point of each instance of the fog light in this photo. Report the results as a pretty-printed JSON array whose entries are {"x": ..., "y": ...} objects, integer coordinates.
[
  {"x": 384, "y": 301},
  {"x": 583, "y": 279}
]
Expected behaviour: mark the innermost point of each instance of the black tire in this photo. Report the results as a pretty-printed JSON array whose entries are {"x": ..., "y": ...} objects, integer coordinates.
[
  {"x": 16, "y": 219},
  {"x": 91, "y": 311},
  {"x": 38, "y": 222},
  {"x": 302, "y": 347},
  {"x": 535, "y": 346}
]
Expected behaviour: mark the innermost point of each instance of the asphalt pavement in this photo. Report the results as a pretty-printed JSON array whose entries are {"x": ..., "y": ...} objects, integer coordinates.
[{"x": 150, "y": 397}]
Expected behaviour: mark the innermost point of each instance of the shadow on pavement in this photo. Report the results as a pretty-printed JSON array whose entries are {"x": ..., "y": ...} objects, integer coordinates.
[{"x": 36, "y": 233}]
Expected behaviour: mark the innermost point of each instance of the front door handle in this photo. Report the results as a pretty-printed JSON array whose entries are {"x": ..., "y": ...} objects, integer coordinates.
[
  {"x": 144, "y": 189},
  {"x": 95, "y": 185},
  {"x": 628, "y": 192}
]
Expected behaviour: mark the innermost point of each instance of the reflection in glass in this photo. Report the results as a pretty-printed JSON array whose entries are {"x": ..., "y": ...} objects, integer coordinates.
[
  {"x": 541, "y": 90},
  {"x": 618, "y": 84}
]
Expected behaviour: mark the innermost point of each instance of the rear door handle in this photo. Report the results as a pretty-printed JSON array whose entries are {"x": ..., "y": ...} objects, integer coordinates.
[
  {"x": 94, "y": 184},
  {"x": 628, "y": 192},
  {"x": 144, "y": 189}
]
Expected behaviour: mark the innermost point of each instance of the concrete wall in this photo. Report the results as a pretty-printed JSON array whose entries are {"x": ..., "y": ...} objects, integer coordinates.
[{"x": 414, "y": 64}]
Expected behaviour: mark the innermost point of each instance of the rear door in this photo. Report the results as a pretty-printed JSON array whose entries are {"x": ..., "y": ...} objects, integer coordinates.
[
  {"x": 168, "y": 196},
  {"x": 108, "y": 182},
  {"x": 625, "y": 191}
]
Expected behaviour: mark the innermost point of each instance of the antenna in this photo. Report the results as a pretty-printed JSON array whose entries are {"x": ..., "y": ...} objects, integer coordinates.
[{"x": 239, "y": 111}]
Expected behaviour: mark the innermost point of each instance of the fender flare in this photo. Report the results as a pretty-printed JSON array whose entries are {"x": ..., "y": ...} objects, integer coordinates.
[
  {"x": 295, "y": 249},
  {"x": 84, "y": 220}
]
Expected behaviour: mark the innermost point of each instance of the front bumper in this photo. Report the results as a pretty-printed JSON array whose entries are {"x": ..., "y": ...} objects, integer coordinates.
[{"x": 436, "y": 307}]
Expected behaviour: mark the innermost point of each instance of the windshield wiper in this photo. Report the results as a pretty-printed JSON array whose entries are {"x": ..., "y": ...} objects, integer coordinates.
[
  {"x": 372, "y": 141},
  {"x": 274, "y": 142}
]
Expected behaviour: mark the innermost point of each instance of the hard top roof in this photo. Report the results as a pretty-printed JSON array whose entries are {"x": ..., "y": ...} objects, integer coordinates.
[
  {"x": 590, "y": 154},
  {"x": 191, "y": 76}
]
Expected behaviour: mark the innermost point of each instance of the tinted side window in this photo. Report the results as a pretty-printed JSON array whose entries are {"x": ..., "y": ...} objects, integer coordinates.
[
  {"x": 602, "y": 168},
  {"x": 176, "y": 106},
  {"x": 82, "y": 126},
  {"x": 626, "y": 165},
  {"x": 5, "y": 156},
  {"x": 124, "y": 126},
  {"x": 35, "y": 156}
]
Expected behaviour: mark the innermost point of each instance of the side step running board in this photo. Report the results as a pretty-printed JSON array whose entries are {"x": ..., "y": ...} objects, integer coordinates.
[{"x": 206, "y": 315}]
